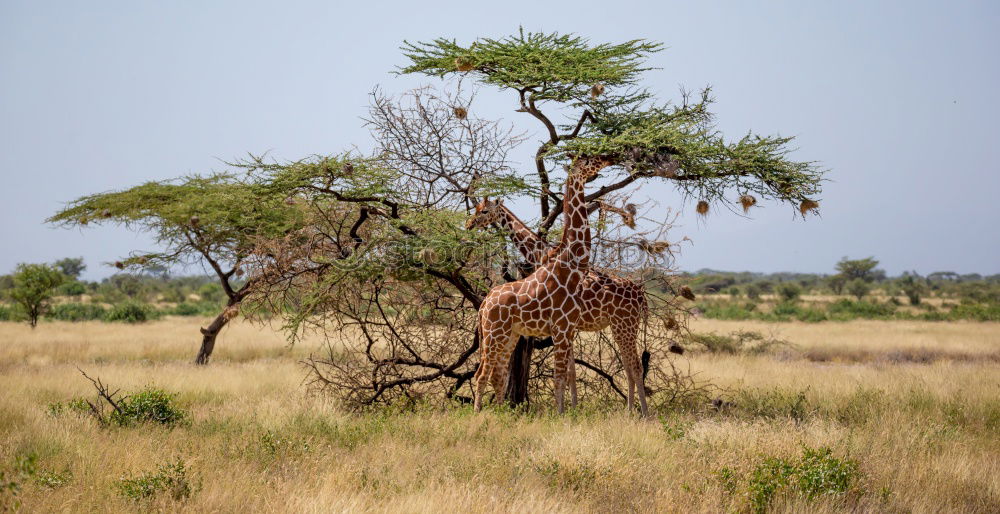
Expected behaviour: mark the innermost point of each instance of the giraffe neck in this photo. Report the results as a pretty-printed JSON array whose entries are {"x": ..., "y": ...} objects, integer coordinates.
[
  {"x": 532, "y": 247},
  {"x": 574, "y": 247}
]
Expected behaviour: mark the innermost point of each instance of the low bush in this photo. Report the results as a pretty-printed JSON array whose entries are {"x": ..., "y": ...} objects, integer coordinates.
[
  {"x": 170, "y": 478},
  {"x": 77, "y": 312},
  {"x": 130, "y": 312},
  {"x": 147, "y": 406},
  {"x": 816, "y": 473}
]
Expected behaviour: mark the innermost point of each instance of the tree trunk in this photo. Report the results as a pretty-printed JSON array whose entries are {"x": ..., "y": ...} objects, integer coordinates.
[
  {"x": 209, "y": 334},
  {"x": 520, "y": 369}
]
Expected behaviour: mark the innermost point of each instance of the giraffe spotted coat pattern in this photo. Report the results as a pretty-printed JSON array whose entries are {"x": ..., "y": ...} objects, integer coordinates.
[
  {"x": 546, "y": 303},
  {"x": 607, "y": 299}
]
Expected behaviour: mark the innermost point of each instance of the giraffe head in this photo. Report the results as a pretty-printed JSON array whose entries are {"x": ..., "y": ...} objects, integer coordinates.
[{"x": 487, "y": 213}]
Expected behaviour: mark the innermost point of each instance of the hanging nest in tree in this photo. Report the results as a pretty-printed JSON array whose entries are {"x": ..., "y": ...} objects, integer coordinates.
[
  {"x": 654, "y": 247},
  {"x": 686, "y": 292},
  {"x": 747, "y": 202},
  {"x": 143, "y": 261},
  {"x": 119, "y": 264},
  {"x": 671, "y": 323},
  {"x": 675, "y": 348},
  {"x": 807, "y": 205},
  {"x": 464, "y": 63},
  {"x": 106, "y": 213},
  {"x": 239, "y": 272},
  {"x": 597, "y": 90},
  {"x": 702, "y": 207},
  {"x": 667, "y": 169},
  {"x": 461, "y": 113},
  {"x": 84, "y": 221},
  {"x": 630, "y": 213},
  {"x": 194, "y": 221},
  {"x": 348, "y": 168}
]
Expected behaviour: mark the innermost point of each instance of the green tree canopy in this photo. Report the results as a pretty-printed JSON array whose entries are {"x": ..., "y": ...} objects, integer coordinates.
[
  {"x": 216, "y": 220},
  {"x": 864, "y": 269},
  {"x": 617, "y": 117},
  {"x": 34, "y": 286},
  {"x": 71, "y": 266}
]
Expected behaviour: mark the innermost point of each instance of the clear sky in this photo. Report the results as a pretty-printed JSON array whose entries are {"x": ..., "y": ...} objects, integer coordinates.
[{"x": 899, "y": 100}]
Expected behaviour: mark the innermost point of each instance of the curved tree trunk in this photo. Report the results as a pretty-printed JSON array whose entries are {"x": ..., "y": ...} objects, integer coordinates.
[{"x": 209, "y": 334}]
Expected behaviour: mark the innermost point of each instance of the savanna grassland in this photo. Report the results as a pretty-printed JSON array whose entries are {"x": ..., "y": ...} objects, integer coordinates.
[{"x": 886, "y": 416}]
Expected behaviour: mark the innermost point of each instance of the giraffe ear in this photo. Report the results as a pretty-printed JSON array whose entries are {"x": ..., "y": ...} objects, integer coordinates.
[{"x": 500, "y": 201}]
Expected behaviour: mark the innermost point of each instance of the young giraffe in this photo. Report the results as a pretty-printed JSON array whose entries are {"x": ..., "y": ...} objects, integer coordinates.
[
  {"x": 608, "y": 300},
  {"x": 547, "y": 303}
]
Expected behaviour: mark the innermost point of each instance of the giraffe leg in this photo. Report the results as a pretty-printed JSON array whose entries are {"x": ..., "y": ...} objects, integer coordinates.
[
  {"x": 501, "y": 373},
  {"x": 626, "y": 336},
  {"x": 563, "y": 342},
  {"x": 487, "y": 354},
  {"x": 572, "y": 378}
]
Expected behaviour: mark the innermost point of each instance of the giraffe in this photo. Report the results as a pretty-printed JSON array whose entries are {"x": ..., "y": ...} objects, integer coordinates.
[
  {"x": 547, "y": 302},
  {"x": 608, "y": 300}
]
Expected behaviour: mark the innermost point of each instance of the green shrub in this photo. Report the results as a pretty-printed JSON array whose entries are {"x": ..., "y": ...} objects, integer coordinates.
[
  {"x": 78, "y": 312},
  {"x": 194, "y": 309},
  {"x": 149, "y": 405},
  {"x": 819, "y": 473},
  {"x": 976, "y": 311},
  {"x": 767, "y": 478},
  {"x": 789, "y": 291},
  {"x": 171, "y": 478},
  {"x": 130, "y": 312},
  {"x": 816, "y": 473},
  {"x": 73, "y": 288},
  {"x": 844, "y": 310},
  {"x": 7, "y": 313},
  {"x": 76, "y": 406}
]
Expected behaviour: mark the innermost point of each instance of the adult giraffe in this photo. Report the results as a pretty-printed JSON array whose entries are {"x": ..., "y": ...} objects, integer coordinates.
[
  {"x": 607, "y": 300},
  {"x": 546, "y": 303}
]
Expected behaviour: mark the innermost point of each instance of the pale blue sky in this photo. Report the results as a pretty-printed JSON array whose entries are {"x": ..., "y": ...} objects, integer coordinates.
[{"x": 898, "y": 99}]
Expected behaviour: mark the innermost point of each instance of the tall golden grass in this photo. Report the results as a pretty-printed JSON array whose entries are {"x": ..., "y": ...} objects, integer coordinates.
[{"x": 925, "y": 432}]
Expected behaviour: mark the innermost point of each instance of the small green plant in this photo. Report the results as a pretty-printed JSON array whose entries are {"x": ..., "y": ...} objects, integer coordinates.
[
  {"x": 170, "y": 478},
  {"x": 11, "y": 479},
  {"x": 75, "y": 405},
  {"x": 816, "y": 473},
  {"x": 147, "y": 406},
  {"x": 819, "y": 473},
  {"x": 674, "y": 429},
  {"x": 767, "y": 478},
  {"x": 53, "y": 479}
]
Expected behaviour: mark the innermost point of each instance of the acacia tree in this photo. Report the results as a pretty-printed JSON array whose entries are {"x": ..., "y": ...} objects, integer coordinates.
[
  {"x": 33, "y": 287},
  {"x": 596, "y": 89},
  {"x": 213, "y": 220},
  {"x": 390, "y": 265}
]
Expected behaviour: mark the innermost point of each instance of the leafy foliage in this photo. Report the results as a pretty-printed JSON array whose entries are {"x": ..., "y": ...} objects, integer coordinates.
[
  {"x": 34, "y": 286},
  {"x": 150, "y": 405},
  {"x": 170, "y": 478},
  {"x": 130, "y": 312},
  {"x": 620, "y": 119}
]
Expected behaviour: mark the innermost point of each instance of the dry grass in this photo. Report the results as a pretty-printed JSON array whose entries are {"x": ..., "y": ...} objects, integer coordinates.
[{"x": 925, "y": 435}]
